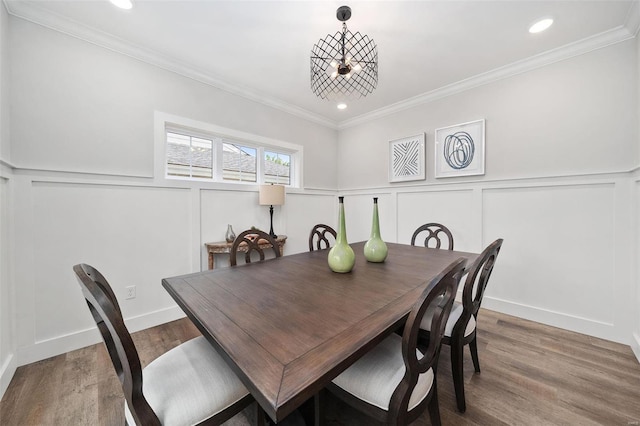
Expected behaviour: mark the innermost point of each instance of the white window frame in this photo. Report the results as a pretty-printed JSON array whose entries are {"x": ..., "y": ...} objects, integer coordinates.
[{"x": 164, "y": 122}]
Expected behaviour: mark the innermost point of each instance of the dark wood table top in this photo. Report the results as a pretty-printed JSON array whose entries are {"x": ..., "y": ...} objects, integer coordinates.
[{"x": 289, "y": 325}]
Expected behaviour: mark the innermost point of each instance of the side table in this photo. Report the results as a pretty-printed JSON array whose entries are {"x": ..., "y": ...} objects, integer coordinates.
[{"x": 225, "y": 247}]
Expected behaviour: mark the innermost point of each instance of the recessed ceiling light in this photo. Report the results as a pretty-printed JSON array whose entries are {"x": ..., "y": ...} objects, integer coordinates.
[
  {"x": 541, "y": 25},
  {"x": 342, "y": 106},
  {"x": 122, "y": 4}
]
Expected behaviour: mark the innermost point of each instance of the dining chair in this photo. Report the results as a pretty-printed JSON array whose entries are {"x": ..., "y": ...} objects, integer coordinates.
[
  {"x": 462, "y": 324},
  {"x": 249, "y": 241},
  {"x": 318, "y": 239},
  {"x": 190, "y": 384},
  {"x": 435, "y": 232},
  {"x": 395, "y": 381}
]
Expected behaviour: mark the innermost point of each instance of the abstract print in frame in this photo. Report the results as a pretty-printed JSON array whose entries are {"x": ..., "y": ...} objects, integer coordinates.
[
  {"x": 406, "y": 159},
  {"x": 460, "y": 150}
]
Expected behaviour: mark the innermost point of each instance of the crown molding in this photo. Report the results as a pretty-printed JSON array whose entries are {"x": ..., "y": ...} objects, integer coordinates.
[
  {"x": 37, "y": 15},
  {"x": 32, "y": 13},
  {"x": 571, "y": 50}
]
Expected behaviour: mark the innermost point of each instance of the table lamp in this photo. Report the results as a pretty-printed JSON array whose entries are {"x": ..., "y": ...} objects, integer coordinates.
[{"x": 271, "y": 195}]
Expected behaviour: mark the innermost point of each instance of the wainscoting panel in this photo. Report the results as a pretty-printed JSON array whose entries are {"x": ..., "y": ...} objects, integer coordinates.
[
  {"x": 558, "y": 251},
  {"x": 134, "y": 235},
  {"x": 635, "y": 344},
  {"x": 303, "y": 212},
  {"x": 454, "y": 209},
  {"x": 8, "y": 360},
  {"x": 240, "y": 209},
  {"x": 359, "y": 213}
]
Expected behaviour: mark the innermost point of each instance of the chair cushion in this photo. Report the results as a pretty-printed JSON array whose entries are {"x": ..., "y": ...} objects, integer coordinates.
[
  {"x": 189, "y": 384},
  {"x": 456, "y": 311},
  {"x": 375, "y": 376}
]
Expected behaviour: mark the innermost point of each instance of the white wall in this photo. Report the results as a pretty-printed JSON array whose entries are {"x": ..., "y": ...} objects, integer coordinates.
[
  {"x": 82, "y": 140},
  {"x": 94, "y": 110},
  {"x": 5, "y": 147},
  {"x": 8, "y": 360},
  {"x": 561, "y": 142},
  {"x": 635, "y": 344},
  {"x": 636, "y": 214}
]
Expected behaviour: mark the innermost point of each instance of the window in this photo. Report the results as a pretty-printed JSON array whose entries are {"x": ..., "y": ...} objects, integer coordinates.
[
  {"x": 277, "y": 167},
  {"x": 203, "y": 152},
  {"x": 189, "y": 156},
  {"x": 239, "y": 163}
]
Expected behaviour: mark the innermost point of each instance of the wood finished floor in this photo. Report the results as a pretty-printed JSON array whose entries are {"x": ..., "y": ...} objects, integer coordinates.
[{"x": 532, "y": 374}]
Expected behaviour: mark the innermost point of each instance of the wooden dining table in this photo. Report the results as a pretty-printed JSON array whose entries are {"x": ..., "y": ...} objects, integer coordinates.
[{"x": 288, "y": 326}]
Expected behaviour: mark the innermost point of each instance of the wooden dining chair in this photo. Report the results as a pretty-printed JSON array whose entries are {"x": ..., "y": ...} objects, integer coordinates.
[
  {"x": 252, "y": 240},
  {"x": 461, "y": 327},
  {"x": 435, "y": 232},
  {"x": 190, "y": 384},
  {"x": 394, "y": 382},
  {"x": 318, "y": 239}
]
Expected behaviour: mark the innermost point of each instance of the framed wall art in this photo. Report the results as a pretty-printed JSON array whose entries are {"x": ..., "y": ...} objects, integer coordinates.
[
  {"x": 460, "y": 150},
  {"x": 407, "y": 159}
]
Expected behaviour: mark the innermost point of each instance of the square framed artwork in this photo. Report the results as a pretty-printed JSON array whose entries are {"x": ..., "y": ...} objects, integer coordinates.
[
  {"x": 460, "y": 150},
  {"x": 407, "y": 159}
]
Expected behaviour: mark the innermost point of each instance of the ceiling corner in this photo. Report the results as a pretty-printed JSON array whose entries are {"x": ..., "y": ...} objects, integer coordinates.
[{"x": 632, "y": 22}]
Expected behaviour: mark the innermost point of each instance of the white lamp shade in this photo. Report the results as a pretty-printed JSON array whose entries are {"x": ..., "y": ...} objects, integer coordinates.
[{"x": 271, "y": 195}]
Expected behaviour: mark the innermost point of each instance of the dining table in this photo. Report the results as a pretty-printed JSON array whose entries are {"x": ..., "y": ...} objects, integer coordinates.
[{"x": 288, "y": 326}]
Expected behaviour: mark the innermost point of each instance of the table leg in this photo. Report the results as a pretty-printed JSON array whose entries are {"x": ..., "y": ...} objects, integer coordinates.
[{"x": 211, "y": 263}]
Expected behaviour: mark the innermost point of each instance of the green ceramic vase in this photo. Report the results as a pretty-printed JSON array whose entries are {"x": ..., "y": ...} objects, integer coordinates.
[
  {"x": 375, "y": 250},
  {"x": 341, "y": 256}
]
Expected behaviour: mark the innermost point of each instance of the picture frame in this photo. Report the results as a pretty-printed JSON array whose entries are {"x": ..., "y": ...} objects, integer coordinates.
[
  {"x": 459, "y": 149},
  {"x": 407, "y": 159}
]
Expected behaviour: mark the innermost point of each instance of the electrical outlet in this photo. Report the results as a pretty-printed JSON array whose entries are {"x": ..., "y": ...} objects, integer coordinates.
[{"x": 131, "y": 292}]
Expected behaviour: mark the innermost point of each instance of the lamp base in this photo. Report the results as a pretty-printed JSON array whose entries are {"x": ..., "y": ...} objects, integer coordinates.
[{"x": 271, "y": 233}]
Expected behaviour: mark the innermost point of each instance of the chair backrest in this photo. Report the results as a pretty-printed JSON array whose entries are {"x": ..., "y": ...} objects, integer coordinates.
[
  {"x": 318, "y": 239},
  {"x": 435, "y": 232},
  {"x": 475, "y": 285},
  {"x": 252, "y": 240},
  {"x": 438, "y": 298},
  {"x": 106, "y": 312}
]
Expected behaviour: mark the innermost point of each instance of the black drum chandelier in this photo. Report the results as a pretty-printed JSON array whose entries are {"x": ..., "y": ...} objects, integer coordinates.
[{"x": 344, "y": 63}]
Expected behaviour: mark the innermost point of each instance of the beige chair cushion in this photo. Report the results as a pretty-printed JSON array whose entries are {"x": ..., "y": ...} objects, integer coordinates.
[
  {"x": 189, "y": 384},
  {"x": 375, "y": 376},
  {"x": 456, "y": 311}
]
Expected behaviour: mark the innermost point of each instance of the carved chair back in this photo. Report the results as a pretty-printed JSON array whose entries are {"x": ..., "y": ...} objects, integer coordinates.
[
  {"x": 440, "y": 293},
  {"x": 318, "y": 239},
  {"x": 250, "y": 241},
  {"x": 475, "y": 285},
  {"x": 435, "y": 232},
  {"x": 122, "y": 351}
]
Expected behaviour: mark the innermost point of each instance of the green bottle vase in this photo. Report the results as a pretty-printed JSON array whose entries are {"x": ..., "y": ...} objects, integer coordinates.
[
  {"x": 341, "y": 257},
  {"x": 375, "y": 250}
]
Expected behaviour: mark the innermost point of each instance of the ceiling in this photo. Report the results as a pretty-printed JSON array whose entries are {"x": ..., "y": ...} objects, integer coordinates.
[{"x": 260, "y": 49}]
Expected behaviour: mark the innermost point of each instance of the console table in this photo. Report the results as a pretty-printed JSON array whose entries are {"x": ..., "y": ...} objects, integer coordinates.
[{"x": 225, "y": 247}]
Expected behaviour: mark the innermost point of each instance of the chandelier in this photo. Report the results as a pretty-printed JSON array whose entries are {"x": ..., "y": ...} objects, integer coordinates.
[{"x": 344, "y": 63}]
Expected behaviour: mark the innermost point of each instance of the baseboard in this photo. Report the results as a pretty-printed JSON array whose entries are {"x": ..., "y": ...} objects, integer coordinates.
[
  {"x": 7, "y": 371},
  {"x": 635, "y": 345},
  {"x": 62, "y": 344},
  {"x": 556, "y": 319}
]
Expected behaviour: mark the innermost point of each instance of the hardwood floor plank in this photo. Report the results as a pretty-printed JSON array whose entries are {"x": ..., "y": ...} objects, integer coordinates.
[{"x": 532, "y": 374}]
